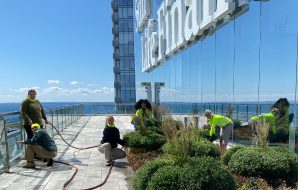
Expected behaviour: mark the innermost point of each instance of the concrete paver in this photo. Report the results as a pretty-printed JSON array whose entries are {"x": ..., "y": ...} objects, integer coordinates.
[{"x": 91, "y": 163}]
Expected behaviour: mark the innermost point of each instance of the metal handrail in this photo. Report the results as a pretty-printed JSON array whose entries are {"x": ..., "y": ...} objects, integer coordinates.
[{"x": 66, "y": 114}]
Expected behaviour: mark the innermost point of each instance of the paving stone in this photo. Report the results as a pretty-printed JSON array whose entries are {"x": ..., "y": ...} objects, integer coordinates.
[{"x": 91, "y": 162}]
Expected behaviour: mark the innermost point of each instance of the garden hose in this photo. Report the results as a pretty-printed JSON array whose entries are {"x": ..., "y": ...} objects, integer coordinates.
[{"x": 73, "y": 166}]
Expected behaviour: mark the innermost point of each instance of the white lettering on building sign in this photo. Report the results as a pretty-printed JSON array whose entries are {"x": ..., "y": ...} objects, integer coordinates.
[
  {"x": 143, "y": 13},
  {"x": 179, "y": 23}
]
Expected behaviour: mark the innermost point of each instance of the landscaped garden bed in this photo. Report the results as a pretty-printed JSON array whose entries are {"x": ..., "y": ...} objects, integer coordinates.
[{"x": 176, "y": 157}]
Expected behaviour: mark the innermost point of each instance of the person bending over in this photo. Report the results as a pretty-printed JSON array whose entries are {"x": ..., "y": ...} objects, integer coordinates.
[{"x": 216, "y": 122}]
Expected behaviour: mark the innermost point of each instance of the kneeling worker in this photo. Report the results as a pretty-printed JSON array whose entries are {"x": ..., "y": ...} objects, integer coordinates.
[
  {"x": 41, "y": 145},
  {"x": 216, "y": 122},
  {"x": 110, "y": 141}
]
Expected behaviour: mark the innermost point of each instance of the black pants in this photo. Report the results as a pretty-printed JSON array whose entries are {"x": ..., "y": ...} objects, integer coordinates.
[{"x": 29, "y": 132}]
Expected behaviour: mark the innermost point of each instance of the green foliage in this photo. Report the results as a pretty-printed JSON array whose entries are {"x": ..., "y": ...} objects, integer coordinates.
[
  {"x": 165, "y": 178},
  {"x": 143, "y": 175},
  {"x": 263, "y": 132},
  {"x": 228, "y": 154},
  {"x": 205, "y": 174},
  {"x": 149, "y": 140},
  {"x": 281, "y": 135},
  {"x": 204, "y": 148},
  {"x": 254, "y": 184},
  {"x": 292, "y": 175},
  {"x": 180, "y": 142},
  {"x": 203, "y": 133},
  {"x": 198, "y": 148},
  {"x": 256, "y": 162},
  {"x": 236, "y": 124},
  {"x": 155, "y": 130}
]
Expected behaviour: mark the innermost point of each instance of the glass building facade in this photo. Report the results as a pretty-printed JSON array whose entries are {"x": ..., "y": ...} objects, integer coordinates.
[
  {"x": 124, "y": 61},
  {"x": 242, "y": 67}
]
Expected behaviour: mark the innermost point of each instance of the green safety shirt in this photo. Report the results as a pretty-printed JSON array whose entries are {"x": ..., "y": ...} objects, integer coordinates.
[
  {"x": 145, "y": 114},
  {"x": 269, "y": 119},
  {"x": 217, "y": 120}
]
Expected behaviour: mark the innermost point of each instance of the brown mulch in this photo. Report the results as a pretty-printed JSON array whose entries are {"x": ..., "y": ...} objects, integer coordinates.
[{"x": 136, "y": 160}]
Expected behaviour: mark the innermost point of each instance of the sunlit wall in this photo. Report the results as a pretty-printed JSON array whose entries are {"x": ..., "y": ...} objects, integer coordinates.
[{"x": 250, "y": 60}]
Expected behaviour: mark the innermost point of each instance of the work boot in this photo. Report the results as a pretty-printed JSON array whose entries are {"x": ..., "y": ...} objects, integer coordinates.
[
  {"x": 110, "y": 162},
  {"x": 50, "y": 162},
  {"x": 29, "y": 165}
]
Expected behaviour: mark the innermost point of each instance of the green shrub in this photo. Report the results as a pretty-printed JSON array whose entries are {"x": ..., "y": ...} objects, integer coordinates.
[
  {"x": 255, "y": 184},
  {"x": 143, "y": 175},
  {"x": 197, "y": 148},
  {"x": 255, "y": 162},
  {"x": 280, "y": 149},
  {"x": 155, "y": 130},
  {"x": 149, "y": 140},
  {"x": 204, "y": 133},
  {"x": 281, "y": 135},
  {"x": 293, "y": 162},
  {"x": 165, "y": 178},
  {"x": 204, "y": 148},
  {"x": 205, "y": 174},
  {"x": 228, "y": 154},
  {"x": 236, "y": 124}
]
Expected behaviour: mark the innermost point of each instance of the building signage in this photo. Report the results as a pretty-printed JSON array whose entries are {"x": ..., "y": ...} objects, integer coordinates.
[
  {"x": 179, "y": 23},
  {"x": 143, "y": 13}
]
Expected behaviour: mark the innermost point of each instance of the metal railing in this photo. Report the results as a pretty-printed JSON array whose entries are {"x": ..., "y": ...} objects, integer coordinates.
[{"x": 11, "y": 131}]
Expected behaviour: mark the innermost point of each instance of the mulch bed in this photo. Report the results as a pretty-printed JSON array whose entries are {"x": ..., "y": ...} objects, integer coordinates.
[{"x": 137, "y": 159}]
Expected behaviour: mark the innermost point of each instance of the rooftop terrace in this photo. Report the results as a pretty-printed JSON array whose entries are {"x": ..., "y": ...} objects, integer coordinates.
[{"x": 85, "y": 132}]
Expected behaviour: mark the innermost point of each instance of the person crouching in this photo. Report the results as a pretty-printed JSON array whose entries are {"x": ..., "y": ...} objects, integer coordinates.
[
  {"x": 41, "y": 145},
  {"x": 110, "y": 141}
]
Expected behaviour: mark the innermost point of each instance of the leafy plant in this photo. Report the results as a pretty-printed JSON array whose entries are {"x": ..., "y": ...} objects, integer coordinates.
[
  {"x": 228, "y": 154},
  {"x": 143, "y": 175},
  {"x": 149, "y": 140},
  {"x": 205, "y": 174},
  {"x": 165, "y": 178},
  {"x": 256, "y": 162},
  {"x": 236, "y": 123}
]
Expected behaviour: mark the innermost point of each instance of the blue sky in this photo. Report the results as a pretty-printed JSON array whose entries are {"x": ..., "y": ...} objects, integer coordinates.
[{"x": 63, "y": 48}]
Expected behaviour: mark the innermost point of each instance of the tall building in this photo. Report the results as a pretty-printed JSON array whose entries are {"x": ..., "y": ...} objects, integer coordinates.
[
  {"x": 124, "y": 63},
  {"x": 233, "y": 57}
]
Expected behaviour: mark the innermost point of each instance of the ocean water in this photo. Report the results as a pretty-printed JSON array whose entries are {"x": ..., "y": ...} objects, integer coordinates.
[
  {"x": 12, "y": 107},
  {"x": 89, "y": 107}
]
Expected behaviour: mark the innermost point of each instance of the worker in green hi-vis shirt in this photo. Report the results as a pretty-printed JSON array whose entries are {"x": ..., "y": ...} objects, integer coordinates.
[
  {"x": 216, "y": 122},
  {"x": 269, "y": 118}
]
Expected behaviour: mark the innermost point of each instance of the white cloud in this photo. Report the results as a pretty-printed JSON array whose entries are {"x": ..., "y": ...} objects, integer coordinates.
[
  {"x": 26, "y": 89},
  {"x": 91, "y": 85},
  {"x": 55, "y": 91},
  {"x": 104, "y": 90},
  {"x": 54, "y": 82},
  {"x": 74, "y": 83}
]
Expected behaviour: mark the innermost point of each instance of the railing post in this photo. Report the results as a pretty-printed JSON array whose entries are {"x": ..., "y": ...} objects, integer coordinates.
[
  {"x": 246, "y": 112},
  {"x": 237, "y": 110},
  {"x": 4, "y": 145},
  {"x": 23, "y": 133},
  {"x": 82, "y": 110},
  {"x": 52, "y": 121},
  {"x": 222, "y": 109},
  {"x": 57, "y": 119}
]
